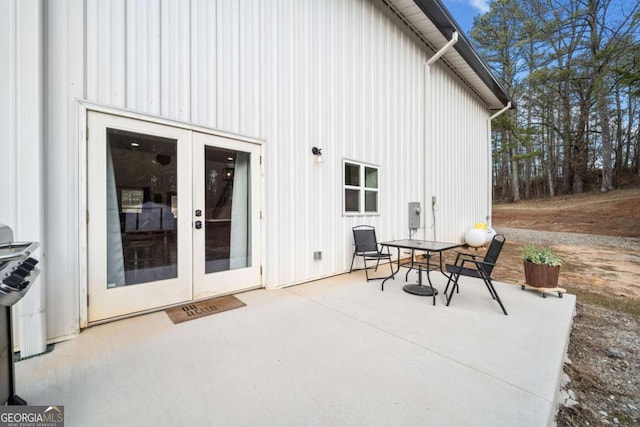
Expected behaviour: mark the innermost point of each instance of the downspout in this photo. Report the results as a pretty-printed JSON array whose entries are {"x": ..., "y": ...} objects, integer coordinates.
[
  {"x": 30, "y": 153},
  {"x": 490, "y": 174},
  {"x": 431, "y": 199},
  {"x": 499, "y": 113},
  {"x": 444, "y": 49}
]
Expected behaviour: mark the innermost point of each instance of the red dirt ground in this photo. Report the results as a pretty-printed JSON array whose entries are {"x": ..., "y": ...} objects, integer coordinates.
[
  {"x": 604, "y": 274},
  {"x": 616, "y": 213}
]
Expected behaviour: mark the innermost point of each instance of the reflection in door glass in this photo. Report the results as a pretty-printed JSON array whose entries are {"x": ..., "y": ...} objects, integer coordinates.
[
  {"x": 227, "y": 210},
  {"x": 141, "y": 208}
]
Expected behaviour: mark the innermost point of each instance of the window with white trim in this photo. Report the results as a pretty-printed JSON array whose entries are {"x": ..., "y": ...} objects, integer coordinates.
[{"x": 360, "y": 195}]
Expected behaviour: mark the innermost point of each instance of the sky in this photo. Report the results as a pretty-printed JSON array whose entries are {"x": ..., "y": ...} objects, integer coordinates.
[{"x": 463, "y": 11}]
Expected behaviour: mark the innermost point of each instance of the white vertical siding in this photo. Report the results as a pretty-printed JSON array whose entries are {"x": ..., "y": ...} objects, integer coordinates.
[
  {"x": 8, "y": 113},
  {"x": 175, "y": 57},
  {"x": 460, "y": 157},
  {"x": 22, "y": 148},
  {"x": 143, "y": 56},
  {"x": 342, "y": 75},
  {"x": 106, "y": 52},
  {"x": 22, "y": 121},
  {"x": 64, "y": 81}
]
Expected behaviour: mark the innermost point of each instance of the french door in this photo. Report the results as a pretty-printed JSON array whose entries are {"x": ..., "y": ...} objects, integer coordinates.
[{"x": 174, "y": 215}]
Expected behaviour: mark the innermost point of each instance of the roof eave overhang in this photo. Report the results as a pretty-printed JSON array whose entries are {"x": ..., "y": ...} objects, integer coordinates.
[{"x": 435, "y": 12}]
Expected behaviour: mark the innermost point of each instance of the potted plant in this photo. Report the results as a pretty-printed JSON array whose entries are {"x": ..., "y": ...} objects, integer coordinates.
[{"x": 541, "y": 267}]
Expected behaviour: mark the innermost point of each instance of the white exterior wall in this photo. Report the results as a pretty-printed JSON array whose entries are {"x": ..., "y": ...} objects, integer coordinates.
[
  {"x": 460, "y": 177},
  {"x": 22, "y": 148},
  {"x": 21, "y": 121},
  {"x": 342, "y": 75}
]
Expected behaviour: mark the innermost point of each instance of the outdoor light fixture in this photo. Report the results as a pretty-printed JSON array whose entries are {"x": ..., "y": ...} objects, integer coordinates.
[{"x": 317, "y": 152}]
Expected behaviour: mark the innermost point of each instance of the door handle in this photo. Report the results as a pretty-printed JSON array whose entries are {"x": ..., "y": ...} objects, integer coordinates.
[{"x": 198, "y": 225}]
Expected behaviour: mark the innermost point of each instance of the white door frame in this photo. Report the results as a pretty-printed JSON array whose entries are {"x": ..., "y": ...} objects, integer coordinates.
[{"x": 83, "y": 110}]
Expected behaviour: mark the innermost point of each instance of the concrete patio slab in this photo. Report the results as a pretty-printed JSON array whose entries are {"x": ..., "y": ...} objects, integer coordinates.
[{"x": 332, "y": 352}]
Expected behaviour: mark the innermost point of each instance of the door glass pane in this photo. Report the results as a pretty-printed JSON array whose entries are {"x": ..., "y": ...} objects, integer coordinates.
[
  {"x": 141, "y": 208},
  {"x": 227, "y": 209}
]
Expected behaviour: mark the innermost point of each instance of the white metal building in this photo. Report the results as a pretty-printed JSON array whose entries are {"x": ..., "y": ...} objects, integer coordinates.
[{"x": 161, "y": 150}]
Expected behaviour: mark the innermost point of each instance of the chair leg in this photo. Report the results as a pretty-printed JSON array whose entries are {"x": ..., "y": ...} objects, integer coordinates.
[
  {"x": 448, "y": 282},
  {"x": 453, "y": 287},
  {"x": 489, "y": 288},
  {"x": 353, "y": 258},
  {"x": 487, "y": 282},
  {"x": 377, "y": 264},
  {"x": 366, "y": 269},
  {"x": 493, "y": 292}
]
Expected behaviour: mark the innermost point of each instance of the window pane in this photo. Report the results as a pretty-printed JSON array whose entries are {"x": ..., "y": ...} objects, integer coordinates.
[
  {"x": 352, "y": 201},
  {"x": 351, "y": 174},
  {"x": 371, "y": 201},
  {"x": 371, "y": 177}
]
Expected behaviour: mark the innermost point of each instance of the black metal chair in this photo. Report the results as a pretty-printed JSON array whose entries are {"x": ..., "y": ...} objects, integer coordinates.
[
  {"x": 366, "y": 246},
  {"x": 476, "y": 266}
]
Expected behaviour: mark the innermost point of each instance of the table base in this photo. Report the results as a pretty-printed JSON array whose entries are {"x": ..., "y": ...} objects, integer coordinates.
[{"x": 421, "y": 290}]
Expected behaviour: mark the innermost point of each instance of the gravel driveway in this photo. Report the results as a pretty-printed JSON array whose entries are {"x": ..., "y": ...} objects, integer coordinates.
[{"x": 569, "y": 239}]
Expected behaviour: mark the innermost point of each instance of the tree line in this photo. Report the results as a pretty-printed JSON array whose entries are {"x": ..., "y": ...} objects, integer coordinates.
[{"x": 573, "y": 69}]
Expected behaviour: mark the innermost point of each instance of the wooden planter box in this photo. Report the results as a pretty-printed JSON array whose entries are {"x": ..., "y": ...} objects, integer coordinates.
[{"x": 541, "y": 276}]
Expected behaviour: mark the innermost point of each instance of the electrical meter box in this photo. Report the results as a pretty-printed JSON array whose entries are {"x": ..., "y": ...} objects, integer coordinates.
[{"x": 414, "y": 215}]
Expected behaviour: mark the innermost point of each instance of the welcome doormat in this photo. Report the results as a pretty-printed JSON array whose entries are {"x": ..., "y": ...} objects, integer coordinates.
[{"x": 196, "y": 310}]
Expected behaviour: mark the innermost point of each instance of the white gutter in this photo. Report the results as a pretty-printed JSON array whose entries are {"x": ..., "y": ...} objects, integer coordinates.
[
  {"x": 430, "y": 199},
  {"x": 444, "y": 49},
  {"x": 489, "y": 175}
]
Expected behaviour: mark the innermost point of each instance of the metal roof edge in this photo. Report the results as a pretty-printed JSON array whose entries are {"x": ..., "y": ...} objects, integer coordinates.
[{"x": 439, "y": 15}]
